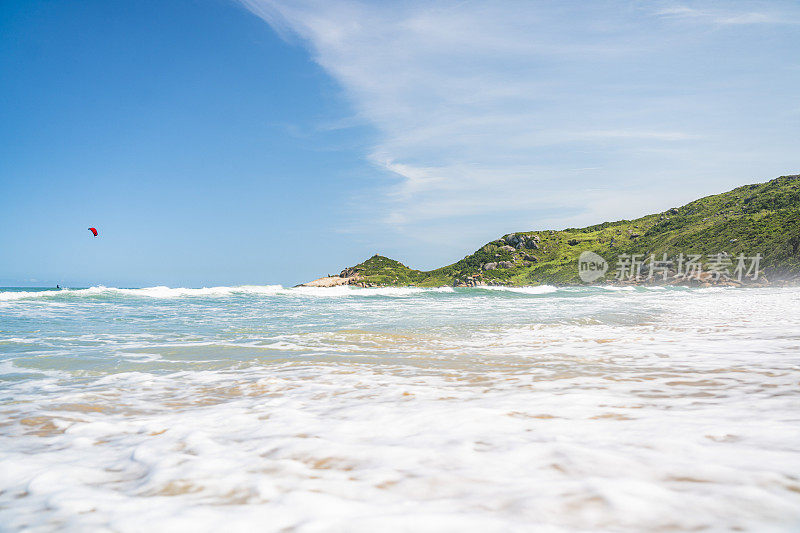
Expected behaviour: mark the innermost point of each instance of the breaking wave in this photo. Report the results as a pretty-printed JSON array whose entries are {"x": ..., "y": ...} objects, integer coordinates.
[
  {"x": 146, "y": 292},
  {"x": 101, "y": 291}
]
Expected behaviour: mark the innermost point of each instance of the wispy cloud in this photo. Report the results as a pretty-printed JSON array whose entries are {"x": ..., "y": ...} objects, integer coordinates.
[
  {"x": 726, "y": 17},
  {"x": 488, "y": 109}
]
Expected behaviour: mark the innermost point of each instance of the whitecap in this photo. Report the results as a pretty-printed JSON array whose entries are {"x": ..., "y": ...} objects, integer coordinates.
[
  {"x": 148, "y": 292},
  {"x": 349, "y": 290},
  {"x": 533, "y": 289}
]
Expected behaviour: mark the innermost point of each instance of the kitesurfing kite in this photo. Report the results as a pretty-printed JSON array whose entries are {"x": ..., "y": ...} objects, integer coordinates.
[{"x": 94, "y": 231}]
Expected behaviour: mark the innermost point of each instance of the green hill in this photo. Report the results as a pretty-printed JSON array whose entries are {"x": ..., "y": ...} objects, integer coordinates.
[{"x": 762, "y": 218}]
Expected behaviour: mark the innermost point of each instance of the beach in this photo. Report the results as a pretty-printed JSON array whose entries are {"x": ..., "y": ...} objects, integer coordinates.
[{"x": 544, "y": 408}]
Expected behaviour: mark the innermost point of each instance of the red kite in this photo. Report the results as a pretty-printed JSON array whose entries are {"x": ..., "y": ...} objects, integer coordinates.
[{"x": 94, "y": 231}]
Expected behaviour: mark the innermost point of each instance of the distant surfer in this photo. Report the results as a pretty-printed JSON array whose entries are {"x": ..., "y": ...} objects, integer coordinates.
[{"x": 58, "y": 286}]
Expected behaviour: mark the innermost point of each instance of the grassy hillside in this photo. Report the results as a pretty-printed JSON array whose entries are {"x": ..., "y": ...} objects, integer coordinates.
[{"x": 761, "y": 218}]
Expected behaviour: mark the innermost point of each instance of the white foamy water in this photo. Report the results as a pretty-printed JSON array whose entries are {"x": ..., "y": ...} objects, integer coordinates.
[{"x": 345, "y": 409}]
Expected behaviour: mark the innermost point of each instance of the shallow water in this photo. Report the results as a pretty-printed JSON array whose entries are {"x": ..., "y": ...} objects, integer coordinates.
[{"x": 343, "y": 409}]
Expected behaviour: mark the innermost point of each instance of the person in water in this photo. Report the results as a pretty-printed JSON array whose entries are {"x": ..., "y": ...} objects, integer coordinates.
[{"x": 57, "y": 286}]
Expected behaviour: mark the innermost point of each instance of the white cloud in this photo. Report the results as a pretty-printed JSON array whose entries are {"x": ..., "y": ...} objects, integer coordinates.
[
  {"x": 723, "y": 17},
  {"x": 495, "y": 109}
]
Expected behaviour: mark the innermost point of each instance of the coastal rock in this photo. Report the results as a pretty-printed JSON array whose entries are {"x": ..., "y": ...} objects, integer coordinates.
[
  {"x": 328, "y": 281},
  {"x": 505, "y": 264},
  {"x": 349, "y": 273},
  {"x": 470, "y": 281},
  {"x": 490, "y": 266}
]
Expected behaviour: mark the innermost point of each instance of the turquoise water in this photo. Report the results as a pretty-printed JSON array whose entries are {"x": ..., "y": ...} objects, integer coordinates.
[
  {"x": 160, "y": 329},
  {"x": 481, "y": 409}
]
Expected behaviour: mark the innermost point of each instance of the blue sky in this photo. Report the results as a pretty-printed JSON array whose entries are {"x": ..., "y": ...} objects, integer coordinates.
[{"x": 222, "y": 142}]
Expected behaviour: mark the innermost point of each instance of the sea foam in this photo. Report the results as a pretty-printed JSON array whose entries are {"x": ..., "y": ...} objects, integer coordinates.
[{"x": 579, "y": 409}]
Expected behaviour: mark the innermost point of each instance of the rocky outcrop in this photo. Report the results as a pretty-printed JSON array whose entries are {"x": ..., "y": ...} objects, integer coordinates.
[
  {"x": 348, "y": 276},
  {"x": 517, "y": 241},
  {"x": 477, "y": 281},
  {"x": 328, "y": 281},
  {"x": 470, "y": 281},
  {"x": 351, "y": 272}
]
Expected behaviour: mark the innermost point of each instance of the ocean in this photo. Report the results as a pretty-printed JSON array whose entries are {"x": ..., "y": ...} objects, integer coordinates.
[{"x": 263, "y": 408}]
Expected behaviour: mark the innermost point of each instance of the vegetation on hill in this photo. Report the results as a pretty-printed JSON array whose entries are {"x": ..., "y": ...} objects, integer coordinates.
[{"x": 761, "y": 218}]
